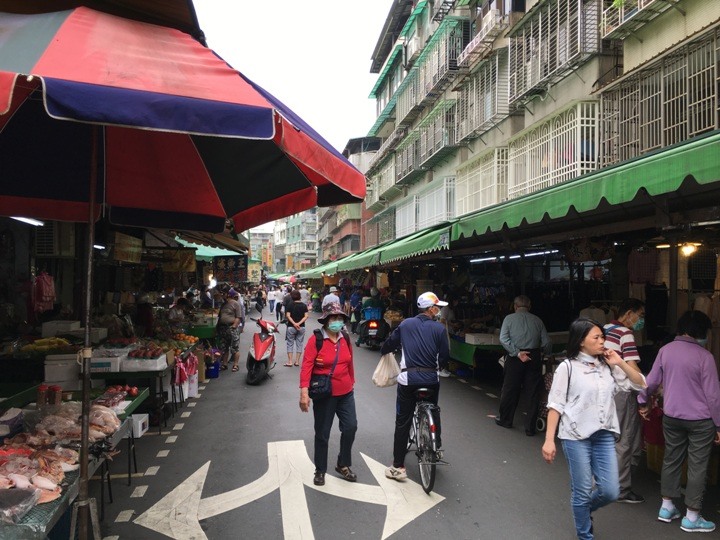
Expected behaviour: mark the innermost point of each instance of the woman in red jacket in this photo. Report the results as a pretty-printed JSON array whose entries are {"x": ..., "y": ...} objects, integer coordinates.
[{"x": 342, "y": 402}]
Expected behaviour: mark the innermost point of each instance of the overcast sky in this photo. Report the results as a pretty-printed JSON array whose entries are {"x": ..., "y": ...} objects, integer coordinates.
[{"x": 313, "y": 56}]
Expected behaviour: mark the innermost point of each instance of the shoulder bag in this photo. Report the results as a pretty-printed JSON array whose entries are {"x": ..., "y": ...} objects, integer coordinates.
[{"x": 321, "y": 385}]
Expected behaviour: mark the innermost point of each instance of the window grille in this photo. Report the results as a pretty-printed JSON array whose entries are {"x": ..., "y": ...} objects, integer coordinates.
[
  {"x": 560, "y": 149},
  {"x": 437, "y": 131},
  {"x": 483, "y": 182},
  {"x": 386, "y": 227},
  {"x": 667, "y": 102},
  {"x": 406, "y": 216},
  {"x": 560, "y": 35},
  {"x": 437, "y": 204},
  {"x": 407, "y": 156},
  {"x": 483, "y": 98}
]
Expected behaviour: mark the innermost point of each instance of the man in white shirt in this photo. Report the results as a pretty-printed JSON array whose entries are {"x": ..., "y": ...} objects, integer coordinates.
[{"x": 331, "y": 297}]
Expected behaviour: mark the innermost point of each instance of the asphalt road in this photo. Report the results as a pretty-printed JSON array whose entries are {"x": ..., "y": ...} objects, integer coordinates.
[{"x": 234, "y": 472}]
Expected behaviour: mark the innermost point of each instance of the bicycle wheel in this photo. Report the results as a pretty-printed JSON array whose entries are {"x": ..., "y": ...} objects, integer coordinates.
[{"x": 426, "y": 451}]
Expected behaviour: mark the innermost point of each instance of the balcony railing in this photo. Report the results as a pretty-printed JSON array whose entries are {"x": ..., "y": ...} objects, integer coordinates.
[{"x": 619, "y": 22}]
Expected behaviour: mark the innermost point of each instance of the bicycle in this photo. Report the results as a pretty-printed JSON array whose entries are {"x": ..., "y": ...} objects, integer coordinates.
[{"x": 422, "y": 435}]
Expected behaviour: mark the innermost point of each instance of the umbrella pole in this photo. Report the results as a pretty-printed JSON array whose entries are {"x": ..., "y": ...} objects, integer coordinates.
[{"x": 84, "y": 506}]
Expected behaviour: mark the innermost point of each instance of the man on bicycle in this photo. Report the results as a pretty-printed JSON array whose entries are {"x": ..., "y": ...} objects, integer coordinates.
[{"x": 425, "y": 351}]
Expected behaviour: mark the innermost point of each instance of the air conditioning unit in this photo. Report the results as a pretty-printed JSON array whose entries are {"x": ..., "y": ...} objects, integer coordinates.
[{"x": 55, "y": 239}]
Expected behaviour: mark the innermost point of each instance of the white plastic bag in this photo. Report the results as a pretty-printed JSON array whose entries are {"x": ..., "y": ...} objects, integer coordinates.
[{"x": 386, "y": 372}]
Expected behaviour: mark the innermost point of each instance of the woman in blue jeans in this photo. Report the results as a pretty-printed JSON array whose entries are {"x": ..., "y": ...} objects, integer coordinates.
[{"x": 582, "y": 402}]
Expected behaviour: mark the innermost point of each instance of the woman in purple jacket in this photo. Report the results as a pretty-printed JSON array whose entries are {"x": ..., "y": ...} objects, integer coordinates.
[{"x": 691, "y": 420}]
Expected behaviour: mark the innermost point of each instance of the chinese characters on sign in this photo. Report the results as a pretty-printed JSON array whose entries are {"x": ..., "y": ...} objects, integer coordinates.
[{"x": 232, "y": 269}]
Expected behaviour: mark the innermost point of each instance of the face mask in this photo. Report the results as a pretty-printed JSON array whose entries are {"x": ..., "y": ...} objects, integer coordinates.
[
  {"x": 639, "y": 325},
  {"x": 336, "y": 326},
  {"x": 702, "y": 342}
]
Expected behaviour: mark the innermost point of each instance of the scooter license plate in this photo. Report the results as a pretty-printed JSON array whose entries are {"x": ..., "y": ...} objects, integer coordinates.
[{"x": 372, "y": 332}]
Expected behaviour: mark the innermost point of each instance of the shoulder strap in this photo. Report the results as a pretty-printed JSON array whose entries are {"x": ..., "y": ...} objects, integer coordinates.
[
  {"x": 569, "y": 368},
  {"x": 318, "y": 339}
]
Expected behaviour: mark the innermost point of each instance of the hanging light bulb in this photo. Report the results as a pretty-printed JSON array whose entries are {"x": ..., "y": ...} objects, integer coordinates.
[{"x": 688, "y": 249}]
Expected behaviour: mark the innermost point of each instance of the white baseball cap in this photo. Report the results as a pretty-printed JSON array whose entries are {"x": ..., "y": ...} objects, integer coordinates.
[{"x": 429, "y": 299}]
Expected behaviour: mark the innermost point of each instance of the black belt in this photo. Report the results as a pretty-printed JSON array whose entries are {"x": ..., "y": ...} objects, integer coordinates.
[{"x": 434, "y": 370}]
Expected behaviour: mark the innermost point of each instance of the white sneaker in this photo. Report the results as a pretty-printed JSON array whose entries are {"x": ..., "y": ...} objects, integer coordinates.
[
  {"x": 444, "y": 373},
  {"x": 396, "y": 473}
]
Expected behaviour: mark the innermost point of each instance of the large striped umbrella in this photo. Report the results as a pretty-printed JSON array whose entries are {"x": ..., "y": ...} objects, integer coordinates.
[{"x": 183, "y": 140}]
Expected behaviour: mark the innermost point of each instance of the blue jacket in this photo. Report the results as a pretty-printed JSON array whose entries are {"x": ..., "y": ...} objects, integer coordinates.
[{"x": 424, "y": 345}]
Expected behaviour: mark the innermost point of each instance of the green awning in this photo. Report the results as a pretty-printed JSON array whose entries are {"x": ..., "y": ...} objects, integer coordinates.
[
  {"x": 420, "y": 243},
  {"x": 363, "y": 259},
  {"x": 206, "y": 253},
  {"x": 407, "y": 28},
  {"x": 389, "y": 65},
  {"x": 659, "y": 173},
  {"x": 329, "y": 268}
]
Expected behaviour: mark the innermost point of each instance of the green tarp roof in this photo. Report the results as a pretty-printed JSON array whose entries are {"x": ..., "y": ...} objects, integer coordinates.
[
  {"x": 420, "y": 243},
  {"x": 658, "y": 173},
  {"x": 206, "y": 253}
]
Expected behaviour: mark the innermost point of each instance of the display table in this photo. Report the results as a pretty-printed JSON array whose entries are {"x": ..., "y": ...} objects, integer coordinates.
[
  {"x": 465, "y": 352},
  {"x": 156, "y": 388}
]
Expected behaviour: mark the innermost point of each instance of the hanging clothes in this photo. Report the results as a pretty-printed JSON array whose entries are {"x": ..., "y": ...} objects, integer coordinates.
[{"x": 43, "y": 293}]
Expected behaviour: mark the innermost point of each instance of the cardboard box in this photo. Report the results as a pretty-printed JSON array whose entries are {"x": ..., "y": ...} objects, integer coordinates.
[
  {"x": 482, "y": 339},
  {"x": 107, "y": 364},
  {"x": 53, "y": 328}
]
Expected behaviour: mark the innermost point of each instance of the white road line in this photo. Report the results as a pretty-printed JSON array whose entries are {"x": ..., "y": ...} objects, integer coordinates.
[
  {"x": 192, "y": 404},
  {"x": 462, "y": 381},
  {"x": 476, "y": 387},
  {"x": 124, "y": 516},
  {"x": 488, "y": 394},
  {"x": 115, "y": 537},
  {"x": 185, "y": 414},
  {"x": 199, "y": 395},
  {"x": 139, "y": 491},
  {"x": 152, "y": 471},
  {"x": 201, "y": 388},
  {"x": 163, "y": 453},
  {"x": 178, "y": 427},
  {"x": 171, "y": 439}
]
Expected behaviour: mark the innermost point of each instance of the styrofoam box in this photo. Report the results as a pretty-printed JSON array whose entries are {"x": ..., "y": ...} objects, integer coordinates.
[
  {"x": 482, "y": 339},
  {"x": 140, "y": 424},
  {"x": 96, "y": 334},
  {"x": 107, "y": 364},
  {"x": 102, "y": 352},
  {"x": 64, "y": 370},
  {"x": 144, "y": 364},
  {"x": 53, "y": 328}
]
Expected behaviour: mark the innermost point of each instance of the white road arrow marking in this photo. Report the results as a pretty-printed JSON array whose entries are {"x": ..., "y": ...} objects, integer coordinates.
[{"x": 289, "y": 469}]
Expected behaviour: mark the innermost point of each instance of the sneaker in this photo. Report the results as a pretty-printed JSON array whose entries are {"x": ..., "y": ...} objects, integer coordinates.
[
  {"x": 668, "y": 515},
  {"x": 631, "y": 498},
  {"x": 701, "y": 525},
  {"x": 396, "y": 473},
  {"x": 444, "y": 373}
]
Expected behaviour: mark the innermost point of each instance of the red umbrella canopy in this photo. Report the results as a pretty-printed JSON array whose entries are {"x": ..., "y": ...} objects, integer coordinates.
[{"x": 185, "y": 141}]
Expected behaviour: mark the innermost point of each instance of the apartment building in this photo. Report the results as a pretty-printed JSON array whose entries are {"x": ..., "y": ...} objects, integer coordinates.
[
  {"x": 480, "y": 102},
  {"x": 280, "y": 237},
  {"x": 301, "y": 241}
]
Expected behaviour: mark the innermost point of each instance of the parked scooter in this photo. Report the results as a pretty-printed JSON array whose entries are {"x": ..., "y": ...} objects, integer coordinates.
[
  {"x": 373, "y": 329},
  {"x": 261, "y": 357}
]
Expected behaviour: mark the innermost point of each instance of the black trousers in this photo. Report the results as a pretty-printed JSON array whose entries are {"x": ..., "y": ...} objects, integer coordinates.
[
  {"x": 521, "y": 377},
  {"x": 404, "y": 409}
]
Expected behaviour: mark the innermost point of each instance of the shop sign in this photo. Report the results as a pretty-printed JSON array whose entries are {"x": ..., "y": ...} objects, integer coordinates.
[
  {"x": 254, "y": 271},
  {"x": 444, "y": 240},
  {"x": 171, "y": 259},
  {"x": 127, "y": 248},
  {"x": 232, "y": 269}
]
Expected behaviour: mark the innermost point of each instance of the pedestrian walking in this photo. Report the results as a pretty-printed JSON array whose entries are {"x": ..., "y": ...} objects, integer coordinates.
[
  {"x": 334, "y": 356},
  {"x": 691, "y": 417},
  {"x": 619, "y": 337},
  {"x": 229, "y": 327},
  {"x": 582, "y": 402},
  {"x": 524, "y": 337},
  {"x": 425, "y": 351},
  {"x": 331, "y": 297},
  {"x": 296, "y": 315}
]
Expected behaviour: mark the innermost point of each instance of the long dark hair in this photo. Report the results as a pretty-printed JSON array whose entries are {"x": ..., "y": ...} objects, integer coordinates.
[{"x": 579, "y": 329}]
